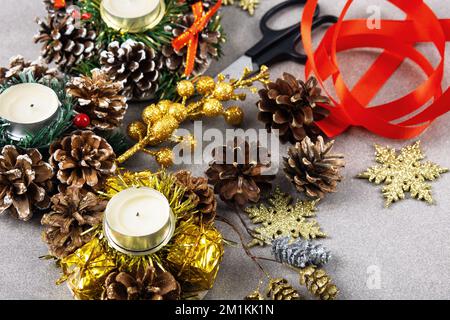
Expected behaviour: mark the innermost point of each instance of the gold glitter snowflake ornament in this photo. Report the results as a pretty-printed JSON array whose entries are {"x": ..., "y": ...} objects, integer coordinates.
[
  {"x": 283, "y": 218},
  {"x": 403, "y": 172}
]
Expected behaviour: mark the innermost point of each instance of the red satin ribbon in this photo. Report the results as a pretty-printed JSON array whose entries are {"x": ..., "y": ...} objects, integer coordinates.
[
  {"x": 397, "y": 38},
  {"x": 59, "y": 4},
  {"x": 190, "y": 36}
]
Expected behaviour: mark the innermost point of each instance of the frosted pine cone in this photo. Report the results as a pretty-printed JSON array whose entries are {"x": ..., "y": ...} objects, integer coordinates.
[{"x": 134, "y": 64}]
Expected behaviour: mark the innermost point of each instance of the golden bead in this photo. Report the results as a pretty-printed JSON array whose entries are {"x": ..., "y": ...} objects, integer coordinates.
[
  {"x": 234, "y": 115},
  {"x": 223, "y": 91},
  {"x": 151, "y": 114},
  {"x": 212, "y": 108},
  {"x": 185, "y": 88},
  {"x": 163, "y": 129},
  {"x": 137, "y": 130},
  {"x": 205, "y": 85},
  {"x": 164, "y": 157},
  {"x": 164, "y": 106},
  {"x": 178, "y": 111}
]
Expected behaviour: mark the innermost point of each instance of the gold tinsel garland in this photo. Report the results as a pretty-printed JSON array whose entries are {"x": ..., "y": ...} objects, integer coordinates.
[
  {"x": 193, "y": 255},
  {"x": 160, "y": 120}
]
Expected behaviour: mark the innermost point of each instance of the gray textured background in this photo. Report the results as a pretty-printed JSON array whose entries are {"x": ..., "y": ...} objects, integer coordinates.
[{"x": 408, "y": 244}]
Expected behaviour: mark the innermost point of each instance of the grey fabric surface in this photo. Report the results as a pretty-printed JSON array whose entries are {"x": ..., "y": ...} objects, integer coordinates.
[{"x": 407, "y": 246}]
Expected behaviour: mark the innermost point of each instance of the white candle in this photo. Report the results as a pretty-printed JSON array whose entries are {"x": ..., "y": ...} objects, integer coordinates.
[
  {"x": 130, "y": 8},
  {"x": 28, "y": 103},
  {"x": 132, "y": 16},
  {"x": 138, "y": 220},
  {"x": 28, "y": 107}
]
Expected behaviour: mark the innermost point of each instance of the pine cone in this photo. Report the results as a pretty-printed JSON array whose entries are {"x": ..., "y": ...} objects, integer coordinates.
[
  {"x": 198, "y": 189},
  {"x": 280, "y": 289},
  {"x": 99, "y": 98},
  {"x": 151, "y": 284},
  {"x": 207, "y": 47},
  {"x": 73, "y": 212},
  {"x": 82, "y": 159},
  {"x": 299, "y": 253},
  {"x": 136, "y": 65},
  {"x": 239, "y": 172},
  {"x": 290, "y": 106},
  {"x": 18, "y": 65},
  {"x": 65, "y": 43},
  {"x": 25, "y": 180},
  {"x": 318, "y": 283},
  {"x": 312, "y": 169},
  {"x": 255, "y": 295}
]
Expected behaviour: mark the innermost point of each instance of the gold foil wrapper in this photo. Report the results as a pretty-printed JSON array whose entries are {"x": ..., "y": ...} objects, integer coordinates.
[
  {"x": 86, "y": 269},
  {"x": 195, "y": 255}
]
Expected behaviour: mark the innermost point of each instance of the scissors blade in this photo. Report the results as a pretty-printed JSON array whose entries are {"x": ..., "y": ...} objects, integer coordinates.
[{"x": 234, "y": 70}]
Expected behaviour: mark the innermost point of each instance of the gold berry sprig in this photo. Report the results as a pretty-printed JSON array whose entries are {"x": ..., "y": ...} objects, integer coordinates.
[{"x": 160, "y": 120}]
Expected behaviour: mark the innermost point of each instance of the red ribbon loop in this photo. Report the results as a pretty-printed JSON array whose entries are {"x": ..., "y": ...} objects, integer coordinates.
[
  {"x": 397, "y": 38},
  {"x": 190, "y": 36}
]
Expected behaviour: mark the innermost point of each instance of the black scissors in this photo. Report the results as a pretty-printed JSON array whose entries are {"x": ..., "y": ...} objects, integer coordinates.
[{"x": 277, "y": 45}]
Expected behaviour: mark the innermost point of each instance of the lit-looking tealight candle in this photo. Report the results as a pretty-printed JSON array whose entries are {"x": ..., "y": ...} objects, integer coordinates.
[
  {"x": 138, "y": 221},
  {"x": 132, "y": 16},
  {"x": 28, "y": 107}
]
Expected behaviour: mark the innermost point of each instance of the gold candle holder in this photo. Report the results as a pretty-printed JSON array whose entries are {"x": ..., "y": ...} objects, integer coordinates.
[
  {"x": 138, "y": 221},
  {"x": 130, "y": 22}
]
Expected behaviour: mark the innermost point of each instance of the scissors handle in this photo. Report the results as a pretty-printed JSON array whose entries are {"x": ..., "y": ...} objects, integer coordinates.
[{"x": 271, "y": 36}]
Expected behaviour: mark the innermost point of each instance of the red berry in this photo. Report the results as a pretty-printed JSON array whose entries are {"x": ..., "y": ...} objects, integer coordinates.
[
  {"x": 81, "y": 120},
  {"x": 86, "y": 16}
]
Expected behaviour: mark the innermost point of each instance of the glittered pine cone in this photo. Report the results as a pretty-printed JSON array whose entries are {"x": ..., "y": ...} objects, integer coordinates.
[
  {"x": 148, "y": 284},
  {"x": 280, "y": 289},
  {"x": 312, "y": 168},
  {"x": 239, "y": 172},
  {"x": 291, "y": 106},
  {"x": 18, "y": 65},
  {"x": 65, "y": 43},
  {"x": 207, "y": 47},
  {"x": 74, "y": 211},
  {"x": 318, "y": 283},
  {"x": 82, "y": 159},
  {"x": 136, "y": 65},
  {"x": 25, "y": 181},
  {"x": 197, "y": 188},
  {"x": 99, "y": 98}
]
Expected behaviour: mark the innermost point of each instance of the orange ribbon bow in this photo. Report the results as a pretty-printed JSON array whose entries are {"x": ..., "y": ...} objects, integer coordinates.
[
  {"x": 59, "y": 4},
  {"x": 190, "y": 36},
  {"x": 405, "y": 117}
]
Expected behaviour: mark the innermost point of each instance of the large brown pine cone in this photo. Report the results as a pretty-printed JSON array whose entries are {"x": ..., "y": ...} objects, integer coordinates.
[
  {"x": 83, "y": 159},
  {"x": 25, "y": 181},
  {"x": 240, "y": 172},
  {"x": 291, "y": 106},
  {"x": 135, "y": 64},
  {"x": 312, "y": 168},
  {"x": 64, "y": 43},
  {"x": 99, "y": 98},
  {"x": 18, "y": 65},
  {"x": 148, "y": 284},
  {"x": 207, "y": 47},
  {"x": 73, "y": 212},
  {"x": 197, "y": 188}
]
